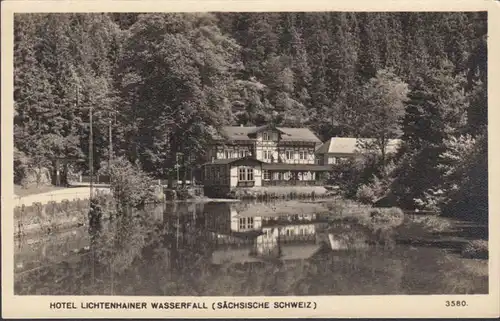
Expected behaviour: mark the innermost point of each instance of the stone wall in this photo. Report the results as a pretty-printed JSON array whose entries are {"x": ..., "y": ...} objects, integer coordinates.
[{"x": 53, "y": 216}]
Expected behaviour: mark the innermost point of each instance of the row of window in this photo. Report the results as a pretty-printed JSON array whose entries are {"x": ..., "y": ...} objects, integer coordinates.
[
  {"x": 268, "y": 154},
  {"x": 284, "y": 176},
  {"x": 290, "y": 232},
  {"x": 236, "y": 154}
]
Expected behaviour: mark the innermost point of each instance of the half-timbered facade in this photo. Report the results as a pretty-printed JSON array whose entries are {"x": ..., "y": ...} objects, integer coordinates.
[{"x": 263, "y": 156}]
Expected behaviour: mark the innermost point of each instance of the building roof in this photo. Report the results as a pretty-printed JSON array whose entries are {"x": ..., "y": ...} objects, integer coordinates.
[
  {"x": 349, "y": 145},
  {"x": 288, "y": 133}
]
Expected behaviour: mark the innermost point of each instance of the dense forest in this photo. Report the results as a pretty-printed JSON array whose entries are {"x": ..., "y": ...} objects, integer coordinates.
[{"x": 165, "y": 83}]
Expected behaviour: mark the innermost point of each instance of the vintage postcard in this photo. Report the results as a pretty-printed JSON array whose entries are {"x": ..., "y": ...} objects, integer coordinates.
[{"x": 257, "y": 159}]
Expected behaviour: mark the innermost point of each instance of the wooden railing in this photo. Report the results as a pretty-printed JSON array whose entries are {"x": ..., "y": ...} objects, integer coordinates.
[
  {"x": 292, "y": 183},
  {"x": 246, "y": 183}
]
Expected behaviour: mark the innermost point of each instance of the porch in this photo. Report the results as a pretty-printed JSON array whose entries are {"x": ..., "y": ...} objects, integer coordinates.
[
  {"x": 293, "y": 174},
  {"x": 292, "y": 183}
]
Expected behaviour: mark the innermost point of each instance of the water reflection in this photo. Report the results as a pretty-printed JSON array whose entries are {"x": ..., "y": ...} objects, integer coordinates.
[{"x": 287, "y": 248}]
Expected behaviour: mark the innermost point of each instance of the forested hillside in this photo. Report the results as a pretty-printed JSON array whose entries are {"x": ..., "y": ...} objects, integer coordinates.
[{"x": 167, "y": 82}]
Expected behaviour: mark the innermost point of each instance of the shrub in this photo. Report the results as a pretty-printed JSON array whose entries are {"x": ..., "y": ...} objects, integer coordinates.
[
  {"x": 477, "y": 249},
  {"x": 369, "y": 193},
  {"x": 387, "y": 217},
  {"x": 130, "y": 186},
  {"x": 365, "y": 194},
  {"x": 432, "y": 223}
]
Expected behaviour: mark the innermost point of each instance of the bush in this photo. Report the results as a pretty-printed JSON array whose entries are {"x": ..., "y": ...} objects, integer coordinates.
[
  {"x": 477, "y": 249},
  {"x": 130, "y": 186},
  {"x": 369, "y": 193},
  {"x": 387, "y": 217},
  {"x": 432, "y": 223}
]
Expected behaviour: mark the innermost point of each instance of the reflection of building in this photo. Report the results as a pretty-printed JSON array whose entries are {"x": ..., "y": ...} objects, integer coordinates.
[
  {"x": 276, "y": 235},
  {"x": 249, "y": 157},
  {"x": 339, "y": 148}
]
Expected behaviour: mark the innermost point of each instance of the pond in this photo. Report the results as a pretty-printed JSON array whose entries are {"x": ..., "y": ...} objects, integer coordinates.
[{"x": 241, "y": 249}]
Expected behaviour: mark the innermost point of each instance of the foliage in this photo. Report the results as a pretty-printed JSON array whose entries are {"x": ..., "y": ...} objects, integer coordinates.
[
  {"x": 63, "y": 66},
  {"x": 384, "y": 97},
  {"x": 130, "y": 186},
  {"x": 436, "y": 110},
  {"x": 187, "y": 54},
  {"x": 463, "y": 189},
  {"x": 476, "y": 249},
  {"x": 387, "y": 217},
  {"x": 432, "y": 223},
  {"x": 371, "y": 192}
]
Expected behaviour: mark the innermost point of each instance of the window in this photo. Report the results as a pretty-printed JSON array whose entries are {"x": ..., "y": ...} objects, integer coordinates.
[
  {"x": 302, "y": 155},
  {"x": 241, "y": 154},
  {"x": 246, "y": 223},
  {"x": 226, "y": 154},
  {"x": 288, "y": 154},
  {"x": 280, "y": 176},
  {"x": 250, "y": 174},
  {"x": 266, "y": 174},
  {"x": 267, "y": 154},
  {"x": 265, "y": 136},
  {"x": 241, "y": 173},
  {"x": 245, "y": 174}
]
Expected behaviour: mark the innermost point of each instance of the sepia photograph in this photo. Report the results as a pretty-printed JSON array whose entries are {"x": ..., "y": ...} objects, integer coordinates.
[{"x": 249, "y": 154}]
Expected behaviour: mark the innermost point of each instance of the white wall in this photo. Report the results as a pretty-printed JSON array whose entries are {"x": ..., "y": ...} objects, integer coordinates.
[{"x": 234, "y": 176}]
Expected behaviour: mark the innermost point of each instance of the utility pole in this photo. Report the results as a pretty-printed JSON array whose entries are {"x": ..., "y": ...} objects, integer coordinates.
[
  {"x": 91, "y": 154},
  {"x": 110, "y": 145}
]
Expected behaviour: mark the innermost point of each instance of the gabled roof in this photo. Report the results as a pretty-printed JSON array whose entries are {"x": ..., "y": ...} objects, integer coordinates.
[
  {"x": 349, "y": 145},
  {"x": 287, "y": 133},
  {"x": 265, "y": 127}
]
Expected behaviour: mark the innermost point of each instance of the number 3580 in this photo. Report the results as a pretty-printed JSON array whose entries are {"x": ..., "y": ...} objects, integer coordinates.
[{"x": 456, "y": 303}]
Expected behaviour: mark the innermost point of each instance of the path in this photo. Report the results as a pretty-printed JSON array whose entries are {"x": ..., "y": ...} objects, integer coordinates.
[{"x": 57, "y": 195}]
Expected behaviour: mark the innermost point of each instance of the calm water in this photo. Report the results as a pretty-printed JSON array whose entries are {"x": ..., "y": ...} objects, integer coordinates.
[{"x": 287, "y": 248}]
